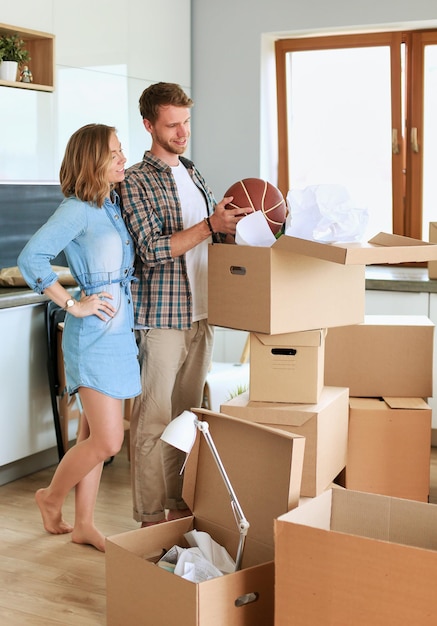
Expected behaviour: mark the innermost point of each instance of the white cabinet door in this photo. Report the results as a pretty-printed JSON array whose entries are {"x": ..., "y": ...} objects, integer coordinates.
[
  {"x": 433, "y": 317},
  {"x": 229, "y": 344},
  {"x": 26, "y": 416},
  {"x": 396, "y": 303}
]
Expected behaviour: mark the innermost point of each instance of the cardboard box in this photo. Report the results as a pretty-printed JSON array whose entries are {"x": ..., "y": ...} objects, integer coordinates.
[
  {"x": 324, "y": 426},
  {"x": 297, "y": 284},
  {"x": 350, "y": 558},
  {"x": 139, "y": 592},
  {"x": 389, "y": 447},
  {"x": 288, "y": 367},
  {"x": 432, "y": 265},
  {"x": 386, "y": 355}
]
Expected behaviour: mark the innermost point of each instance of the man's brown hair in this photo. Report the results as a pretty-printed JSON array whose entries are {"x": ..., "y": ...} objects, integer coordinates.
[{"x": 162, "y": 94}]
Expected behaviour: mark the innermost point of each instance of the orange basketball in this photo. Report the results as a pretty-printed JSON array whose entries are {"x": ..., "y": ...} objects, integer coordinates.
[{"x": 261, "y": 196}]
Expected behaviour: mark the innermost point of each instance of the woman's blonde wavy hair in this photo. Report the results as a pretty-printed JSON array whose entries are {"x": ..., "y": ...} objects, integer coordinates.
[{"x": 84, "y": 168}]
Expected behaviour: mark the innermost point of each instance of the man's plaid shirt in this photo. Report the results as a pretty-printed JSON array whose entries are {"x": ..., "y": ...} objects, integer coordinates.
[{"x": 152, "y": 212}]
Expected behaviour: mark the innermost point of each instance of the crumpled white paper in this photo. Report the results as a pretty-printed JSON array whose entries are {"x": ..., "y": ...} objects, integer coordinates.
[
  {"x": 193, "y": 566},
  {"x": 211, "y": 550},
  {"x": 253, "y": 230},
  {"x": 203, "y": 560},
  {"x": 325, "y": 213}
]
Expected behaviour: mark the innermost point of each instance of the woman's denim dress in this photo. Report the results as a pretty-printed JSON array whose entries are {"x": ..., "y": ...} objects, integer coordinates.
[{"x": 100, "y": 253}]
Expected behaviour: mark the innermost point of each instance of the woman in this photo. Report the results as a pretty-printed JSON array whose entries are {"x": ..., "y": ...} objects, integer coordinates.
[{"x": 100, "y": 351}]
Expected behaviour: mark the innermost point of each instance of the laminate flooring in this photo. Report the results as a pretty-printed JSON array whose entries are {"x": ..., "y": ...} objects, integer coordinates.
[{"x": 46, "y": 580}]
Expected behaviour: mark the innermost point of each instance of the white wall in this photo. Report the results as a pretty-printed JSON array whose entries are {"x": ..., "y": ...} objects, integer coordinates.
[
  {"x": 229, "y": 89},
  {"x": 105, "y": 54},
  {"x": 220, "y": 52}
]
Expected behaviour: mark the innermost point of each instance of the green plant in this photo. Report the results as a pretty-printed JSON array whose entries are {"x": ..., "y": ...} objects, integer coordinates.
[
  {"x": 12, "y": 48},
  {"x": 239, "y": 389}
]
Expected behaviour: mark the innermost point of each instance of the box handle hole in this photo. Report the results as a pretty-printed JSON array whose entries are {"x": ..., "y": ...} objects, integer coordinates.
[
  {"x": 238, "y": 270},
  {"x": 284, "y": 351},
  {"x": 247, "y": 598}
]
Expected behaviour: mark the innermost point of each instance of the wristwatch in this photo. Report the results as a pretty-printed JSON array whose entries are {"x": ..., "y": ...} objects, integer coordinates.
[{"x": 70, "y": 302}]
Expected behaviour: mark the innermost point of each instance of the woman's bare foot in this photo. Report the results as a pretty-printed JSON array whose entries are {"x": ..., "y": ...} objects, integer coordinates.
[
  {"x": 51, "y": 516},
  {"x": 89, "y": 535}
]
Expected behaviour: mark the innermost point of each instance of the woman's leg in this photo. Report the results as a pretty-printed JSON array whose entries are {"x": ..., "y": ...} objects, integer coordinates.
[
  {"x": 86, "y": 491},
  {"x": 101, "y": 436}
]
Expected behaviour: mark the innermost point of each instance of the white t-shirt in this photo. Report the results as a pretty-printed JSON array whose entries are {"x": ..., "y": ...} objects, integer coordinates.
[{"x": 193, "y": 211}]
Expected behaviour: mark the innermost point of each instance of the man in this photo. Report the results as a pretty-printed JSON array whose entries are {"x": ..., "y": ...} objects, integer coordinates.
[{"x": 172, "y": 216}]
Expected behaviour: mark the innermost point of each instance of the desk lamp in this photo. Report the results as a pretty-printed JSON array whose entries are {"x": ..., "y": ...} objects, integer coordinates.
[{"x": 181, "y": 434}]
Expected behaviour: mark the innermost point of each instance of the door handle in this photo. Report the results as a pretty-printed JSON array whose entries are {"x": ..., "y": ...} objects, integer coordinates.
[{"x": 414, "y": 142}]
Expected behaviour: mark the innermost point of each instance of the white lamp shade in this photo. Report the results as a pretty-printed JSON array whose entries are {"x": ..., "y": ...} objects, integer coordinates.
[{"x": 181, "y": 432}]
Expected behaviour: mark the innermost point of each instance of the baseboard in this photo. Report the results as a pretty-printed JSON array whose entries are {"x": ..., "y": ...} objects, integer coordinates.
[
  {"x": 28, "y": 465},
  {"x": 39, "y": 461}
]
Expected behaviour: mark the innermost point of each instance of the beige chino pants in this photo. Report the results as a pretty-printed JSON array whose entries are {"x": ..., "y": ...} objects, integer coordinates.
[{"x": 174, "y": 365}]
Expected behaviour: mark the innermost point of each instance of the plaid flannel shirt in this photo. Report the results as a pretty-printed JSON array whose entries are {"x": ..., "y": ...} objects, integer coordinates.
[{"x": 152, "y": 212}]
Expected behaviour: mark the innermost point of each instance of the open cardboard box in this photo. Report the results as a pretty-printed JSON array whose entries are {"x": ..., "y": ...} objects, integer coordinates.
[
  {"x": 386, "y": 355},
  {"x": 287, "y": 367},
  {"x": 324, "y": 426},
  {"x": 264, "y": 466},
  {"x": 298, "y": 284},
  {"x": 356, "y": 559}
]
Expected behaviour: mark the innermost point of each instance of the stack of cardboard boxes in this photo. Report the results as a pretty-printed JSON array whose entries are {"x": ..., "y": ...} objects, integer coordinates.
[
  {"x": 348, "y": 556},
  {"x": 286, "y": 391},
  {"x": 387, "y": 363},
  {"x": 342, "y": 556},
  {"x": 289, "y": 387},
  {"x": 286, "y": 296}
]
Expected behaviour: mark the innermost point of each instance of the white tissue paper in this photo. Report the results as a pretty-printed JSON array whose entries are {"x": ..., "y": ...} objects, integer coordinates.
[
  {"x": 325, "y": 213},
  {"x": 193, "y": 566},
  {"x": 253, "y": 230},
  {"x": 203, "y": 560},
  {"x": 211, "y": 550}
]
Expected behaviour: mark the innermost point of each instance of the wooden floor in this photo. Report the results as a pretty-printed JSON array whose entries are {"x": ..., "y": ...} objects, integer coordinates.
[{"x": 46, "y": 580}]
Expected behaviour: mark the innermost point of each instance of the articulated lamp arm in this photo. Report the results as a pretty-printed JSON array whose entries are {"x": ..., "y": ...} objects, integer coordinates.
[{"x": 242, "y": 522}]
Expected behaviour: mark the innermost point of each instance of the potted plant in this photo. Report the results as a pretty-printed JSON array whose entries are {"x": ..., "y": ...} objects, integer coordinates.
[{"x": 12, "y": 54}]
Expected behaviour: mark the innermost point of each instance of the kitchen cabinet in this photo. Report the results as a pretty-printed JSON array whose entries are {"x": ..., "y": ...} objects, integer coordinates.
[
  {"x": 229, "y": 344},
  {"x": 25, "y": 409},
  {"x": 28, "y": 441},
  {"x": 396, "y": 303},
  {"x": 433, "y": 401}
]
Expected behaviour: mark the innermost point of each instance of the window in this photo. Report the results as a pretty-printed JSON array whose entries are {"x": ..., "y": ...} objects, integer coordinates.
[{"x": 361, "y": 111}]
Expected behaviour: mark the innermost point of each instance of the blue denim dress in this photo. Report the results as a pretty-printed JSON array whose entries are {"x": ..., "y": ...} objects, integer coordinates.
[{"x": 100, "y": 253}]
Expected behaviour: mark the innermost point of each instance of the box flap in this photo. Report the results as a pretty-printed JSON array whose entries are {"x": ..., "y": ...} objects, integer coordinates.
[
  {"x": 264, "y": 466},
  {"x": 385, "y": 518},
  {"x": 406, "y": 403},
  {"x": 383, "y": 248},
  {"x": 276, "y": 413},
  {"x": 310, "y": 338}
]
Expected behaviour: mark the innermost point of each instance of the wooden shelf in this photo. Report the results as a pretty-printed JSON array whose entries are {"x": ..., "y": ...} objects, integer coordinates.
[{"x": 42, "y": 62}]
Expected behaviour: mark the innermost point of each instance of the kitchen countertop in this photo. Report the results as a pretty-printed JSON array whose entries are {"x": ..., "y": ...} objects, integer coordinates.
[
  {"x": 19, "y": 296},
  {"x": 399, "y": 278},
  {"x": 385, "y": 278}
]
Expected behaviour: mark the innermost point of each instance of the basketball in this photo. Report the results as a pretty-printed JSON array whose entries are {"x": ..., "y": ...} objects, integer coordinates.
[{"x": 261, "y": 196}]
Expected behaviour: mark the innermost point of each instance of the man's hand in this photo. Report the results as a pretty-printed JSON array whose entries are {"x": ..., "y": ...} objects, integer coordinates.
[{"x": 225, "y": 220}]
